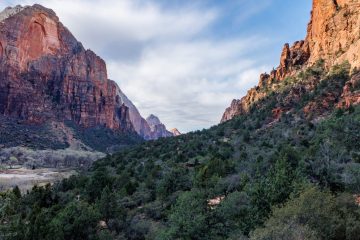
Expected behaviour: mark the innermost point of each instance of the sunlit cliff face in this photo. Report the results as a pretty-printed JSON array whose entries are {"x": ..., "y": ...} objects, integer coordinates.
[
  {"x": 47, "y": 74},
  {"x": 333, "y": 33}
]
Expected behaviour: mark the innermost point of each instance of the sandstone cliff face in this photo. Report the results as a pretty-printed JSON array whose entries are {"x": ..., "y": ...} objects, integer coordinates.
[
  {"x": 333, "y": 35},
  {"x": 157, "y": 129},
  {"x": 333, "y": 32},
  {"x": 45, "y": 73}
]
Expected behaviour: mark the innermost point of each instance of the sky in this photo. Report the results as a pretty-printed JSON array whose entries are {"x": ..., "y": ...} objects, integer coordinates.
[{"x": 183, "y": 60}]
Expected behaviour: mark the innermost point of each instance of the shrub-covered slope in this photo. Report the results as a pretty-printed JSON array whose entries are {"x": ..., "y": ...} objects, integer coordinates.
[
  {"x": 58, "y": 135},
  {"x": 292, "y": 174}
]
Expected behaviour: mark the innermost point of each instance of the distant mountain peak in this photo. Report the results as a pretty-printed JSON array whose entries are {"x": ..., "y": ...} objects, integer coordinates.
[
  {"x": 153, "y": 120},
  {"x": 10, "y": 11},
  {"x": 175, "y": 132},
  {"x": 158, "y": 129}
]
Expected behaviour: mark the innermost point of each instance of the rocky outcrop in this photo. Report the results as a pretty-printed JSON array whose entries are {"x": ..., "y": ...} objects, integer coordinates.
[
  {"x": 351, "y": 92},
  {"x": 175, "y": 132},
  {"x": 140, "y": 124},
  {"x": 158, "y": 129},
  {"x": 333, "y": 32},
  {"x": 243, "y": 105},
  {"x": 45, "y": 73},
  {"x": 153, "y": 120},
  {"x": 10, "y": 11},
  {"x": 333, "y": 35}
]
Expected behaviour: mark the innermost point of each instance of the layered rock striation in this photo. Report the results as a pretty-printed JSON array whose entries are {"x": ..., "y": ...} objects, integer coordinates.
[
  {"x": 333, "y": 36},
  {"x": 45, "y": 73}
]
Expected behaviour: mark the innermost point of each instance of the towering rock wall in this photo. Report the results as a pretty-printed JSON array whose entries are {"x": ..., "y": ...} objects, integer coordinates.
[
  {"x": 333, "y": 35},
  {"x": 333, "y": 32},
  {"x": 45, "y": 73},
  {"x": 139, "y": 123},
  {"x": 157, "y": 128}
]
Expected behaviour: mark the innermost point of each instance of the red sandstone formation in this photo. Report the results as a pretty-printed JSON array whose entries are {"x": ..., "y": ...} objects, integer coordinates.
[
  {"x": 350, "y": 97},
  {"x": 47, "y": 74},
  {"x": 333, "y": 35}
]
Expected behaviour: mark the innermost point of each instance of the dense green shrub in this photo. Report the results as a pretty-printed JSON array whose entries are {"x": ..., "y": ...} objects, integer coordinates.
[{"x": 314, "y": 214}]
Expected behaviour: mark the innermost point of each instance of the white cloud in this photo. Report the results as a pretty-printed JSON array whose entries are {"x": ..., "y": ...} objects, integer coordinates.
[
  {"x": 189, "y": 84},
  {"x": 164, "y": 59}
]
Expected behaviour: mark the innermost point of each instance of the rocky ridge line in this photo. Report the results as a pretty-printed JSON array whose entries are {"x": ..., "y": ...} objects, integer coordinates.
[{"x": 332, "y": 36}]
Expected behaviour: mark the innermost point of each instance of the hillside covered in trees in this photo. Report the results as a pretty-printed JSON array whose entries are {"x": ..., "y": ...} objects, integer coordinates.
[{"x": 258, "y": 176}]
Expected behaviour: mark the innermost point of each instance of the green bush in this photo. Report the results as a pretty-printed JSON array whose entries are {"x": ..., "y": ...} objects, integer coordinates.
[{"x": 314, "y": 214}]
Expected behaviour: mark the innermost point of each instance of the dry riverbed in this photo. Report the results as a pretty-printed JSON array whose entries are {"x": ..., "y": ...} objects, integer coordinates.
[{"x": 25, "y": 178}]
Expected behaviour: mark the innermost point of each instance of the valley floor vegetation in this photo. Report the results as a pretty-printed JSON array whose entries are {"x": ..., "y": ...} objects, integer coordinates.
[
  {"x": 25, "y": 167},
  {"x": 61, "y": 158},
  {"x": 249, "y": 178}
]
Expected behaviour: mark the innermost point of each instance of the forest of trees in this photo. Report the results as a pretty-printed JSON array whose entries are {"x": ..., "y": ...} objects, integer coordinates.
[{"x": 296, "y": 179}]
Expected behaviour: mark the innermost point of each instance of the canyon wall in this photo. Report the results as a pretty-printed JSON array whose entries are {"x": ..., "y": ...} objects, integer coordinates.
[{"x": 332, "y": 36}]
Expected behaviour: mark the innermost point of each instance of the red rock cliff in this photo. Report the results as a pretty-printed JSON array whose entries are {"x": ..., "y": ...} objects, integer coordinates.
[
  {"x": 45, "y": 73},
  {"x": 333, "y": 35}
]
